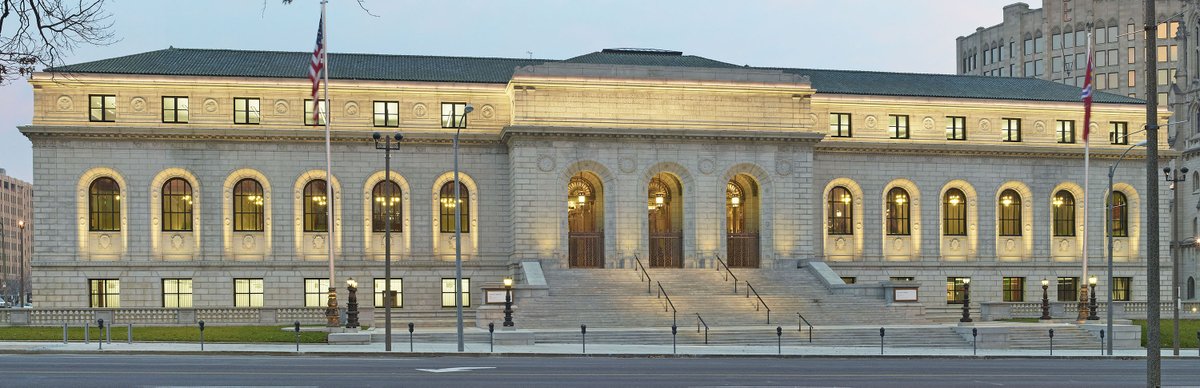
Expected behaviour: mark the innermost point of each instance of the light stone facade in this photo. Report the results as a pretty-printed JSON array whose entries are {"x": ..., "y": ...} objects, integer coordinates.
[{"x": 526, "y": 140}]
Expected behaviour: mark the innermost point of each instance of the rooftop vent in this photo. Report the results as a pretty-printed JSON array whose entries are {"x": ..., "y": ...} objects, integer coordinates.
[{"x": 648, "y": 51}]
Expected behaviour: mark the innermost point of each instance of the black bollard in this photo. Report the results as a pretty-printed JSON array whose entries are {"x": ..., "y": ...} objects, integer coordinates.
[
  {"x": 974, "y": 341},
  {"x": 65, "y": 337},
  {"x": 674, "y": 330},
  {"x": 1101, "y": 342},
  {"x": 881, "y": 341},
  {"x": 492, "y": 336},
  {"x": 583, "y": 335},
  {"x": 1051, "y": 342},
  {"x": 779, "y": 339},
  {"x": 100, "y": 324},
  {"x": 296, "y": 327},
  {"x": 201, "y": 335},
  {"x": 410, "y": 331},
  {"x": 129, "y": 335}
]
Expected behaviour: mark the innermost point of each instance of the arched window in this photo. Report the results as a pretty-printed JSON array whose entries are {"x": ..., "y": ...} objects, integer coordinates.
[
  {"x": 1119, "y": 214},
  {"x": 248, "y": 206},
  {"x": 1191, "y": 287},
  {"x": 1009, "y": 211},
  {"x": 315, "y": 206},
  {"x": 841, "y": 211},
  {"x": 897, "y": 212},
  {"x": 104, "y": 205},
  {"x": 448, "y": 204},
  {"x": 177, "y": 205},
  {"x": 1064, "y": 214},
  {"x": 385, "y": 207},
  {"x": 954, "y": 213}
]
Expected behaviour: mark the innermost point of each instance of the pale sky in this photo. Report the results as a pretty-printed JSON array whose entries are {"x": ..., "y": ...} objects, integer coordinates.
[{"x": 882, "y": 35}]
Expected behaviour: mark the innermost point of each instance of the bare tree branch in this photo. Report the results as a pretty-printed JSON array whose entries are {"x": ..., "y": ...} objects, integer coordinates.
[{"x": 36, "y": 33}]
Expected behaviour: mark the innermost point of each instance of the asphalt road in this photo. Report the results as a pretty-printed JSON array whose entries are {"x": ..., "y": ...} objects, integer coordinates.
[{"x": 119, "y": 370}]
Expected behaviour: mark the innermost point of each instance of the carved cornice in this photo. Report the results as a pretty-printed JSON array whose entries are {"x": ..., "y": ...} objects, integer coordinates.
[
  {"x": 43, "y": 132},
  {"x": 1014, "y": 150},
  {"x": 512, "y": 132}
]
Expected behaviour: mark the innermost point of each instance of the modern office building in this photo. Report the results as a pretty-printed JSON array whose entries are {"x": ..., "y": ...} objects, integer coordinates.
[
  {"x": 16, "y": 223},
  {"x": 675, "y": 162}
]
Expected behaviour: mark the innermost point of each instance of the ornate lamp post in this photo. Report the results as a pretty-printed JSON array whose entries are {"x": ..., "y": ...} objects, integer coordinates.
[
  {"x": 352, "y": 304},
  {"x": 1175, "y": 177},
  {"x": 388, "y": 297},
  {"x": 21, "y": 262},
  {"x": 1045, "y": 300},
  {"x": 966, "y": 300},
  {"x": 1092, "y": 302},
  {"x": 508, "y": 283}
]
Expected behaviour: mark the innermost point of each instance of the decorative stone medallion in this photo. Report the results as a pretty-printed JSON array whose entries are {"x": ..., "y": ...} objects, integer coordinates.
[
  {"x": 176, "y": 241},
  {"x": 138, "y": 104},
  {"x": 419, "y": 110},
  {"x": 870, "y": 121},
  {"x": 1039, "y": 126},
  {"x": 281, "y": 107},
  {"x": 65, "y": 103},
  {"x": 487, "y": 111},
  {"x": 955, "y": 244},
  {"x": 898, "y": 245},
  {"x": 1064, "y": 245},
  {"x": 812, "y": 118},
  {"x": 248, "y": 242},
  {"x": 627, "y": 165},
  {"x": 783, "y": 167},
  {"x": 318, "y": 242},
  {"x": 707, "y": 166},
  {"x": 1010, "y": 245},
  {"x": 985, "y": 125},
  {"x": 105, "y": 241},
  {"x": 351, "y": 109},
  {"x": 545, "y": 163},
  {"x": 928, "y": 122},
  {"x": 1093, "y": 128},
  {"x": 210, "y": 105}
]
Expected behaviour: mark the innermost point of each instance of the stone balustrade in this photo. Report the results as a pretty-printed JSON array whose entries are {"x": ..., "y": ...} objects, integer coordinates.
[
  {"x": 170, "y": 316},
  {"x": 992, "y": 311}
]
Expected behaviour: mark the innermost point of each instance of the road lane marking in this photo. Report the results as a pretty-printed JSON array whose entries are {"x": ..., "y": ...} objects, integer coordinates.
[{"x": 457, "y": 369}]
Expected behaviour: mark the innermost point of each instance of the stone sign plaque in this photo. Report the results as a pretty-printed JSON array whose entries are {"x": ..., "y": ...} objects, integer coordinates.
[
  {"x": 904, "y": 294},
  {"x": 494, "y": 297}
]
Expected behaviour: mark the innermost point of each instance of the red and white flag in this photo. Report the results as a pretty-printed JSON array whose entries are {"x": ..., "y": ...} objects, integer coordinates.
[
  {"x": 314, "y": 71},
  {"x": 1086, "y": 95}
]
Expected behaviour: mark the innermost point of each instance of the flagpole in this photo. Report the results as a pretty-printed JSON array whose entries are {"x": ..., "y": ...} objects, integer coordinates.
[
  {"x": 332, "y": 309},
  {"x": 1087, "y": 155}
]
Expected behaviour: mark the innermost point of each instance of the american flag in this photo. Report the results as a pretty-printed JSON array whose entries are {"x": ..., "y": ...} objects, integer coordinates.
[
  {"x": 1086, "y": 95},
  {"x": 314, "y": 71}
]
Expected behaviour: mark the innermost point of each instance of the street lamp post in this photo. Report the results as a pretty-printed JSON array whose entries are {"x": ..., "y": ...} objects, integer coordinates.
[
  {"x": 388, "y": 297},
  {"x": 966, "y": 309},
  {"x": 458, "y": 228},
  {"x": 352, "y": 304},
  {"x": 508, "y": 311},
  {"x": 1112, "y": 170},
  {"x": 21, "y": 261},
  {"x": 1175, "y": 177},
  {"x": 1092, "y": 301},
  {"x": 1045, "y": 300}
]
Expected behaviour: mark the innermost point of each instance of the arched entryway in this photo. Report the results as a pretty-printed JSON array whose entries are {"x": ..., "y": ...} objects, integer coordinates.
[
  {"x": 585, "y": 221},
  {"x": 665, "y": 222},
  {"x": 742, "y": 210}
]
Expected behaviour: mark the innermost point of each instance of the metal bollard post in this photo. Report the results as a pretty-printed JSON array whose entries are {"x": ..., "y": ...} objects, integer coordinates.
[
  {"x": 1051, "y": 342},
  {"x": 881, "y": 341},
  {"x": 674, "y": 330},
  {"x": 492, "y": 337},
  {"x": 129, "y": 335},
  {"x": 108, "y": 333},
  {"x": 583, "y": 336},
  {"x": 974, "y": 341},
  {"x": 87, "y": 332},
  {"x": 201, "y": 335},
  {"x": 65, "y": 338},
  {"x": 296, "y": 327},
  {"x": 410, "y": 331},
  {"x": 100, "y": 341},
  {"x": 779, "y": 339},
  {"x": 1101, "y": 342}
]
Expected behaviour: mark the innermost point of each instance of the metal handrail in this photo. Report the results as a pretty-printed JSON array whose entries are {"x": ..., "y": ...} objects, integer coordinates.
[
  {"x": 700, "y": 321},
  {"x": 801, "y": 328},
  {"x": 643, "y": 275},
  {"x": 728, "y": 272},
  {"x": 749, "y": 289},
  {"x": 662, "y": 293}
]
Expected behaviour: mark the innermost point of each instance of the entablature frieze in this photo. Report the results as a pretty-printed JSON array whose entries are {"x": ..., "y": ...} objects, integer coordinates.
[
  {"x": 984, "y": 150},
  {"x": 44, "y": 132},
  {"x": 510, "y": 133}
]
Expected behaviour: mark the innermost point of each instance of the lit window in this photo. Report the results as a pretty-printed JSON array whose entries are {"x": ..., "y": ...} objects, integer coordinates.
[
  {"x": 1120, "y": 288},
  {"x": 247, "y": 111},
  {"x": 1009, "y": 211},
  {"x": 386, "y": 207},
  {"x": 102, "y": 108},
  {"x": 1014, "y": 289},
  {"x": 448, "y": 292},
  {"x": 1063, "y": 205},
  {"x": 387, "y": 113},
  {"x": 898, "y": 129},
  {"x": 956, "y": 128},
  {"x": 839, "y": 125},
  {"x": 315, "y": 206},
  {"x": 248, "y": 206},
  {"x": 954, "y": 213},
  {"x": 104, "y": 293},
  {"x": 1011, "y": 130},
  {"x": 956, "y": 289},
  {"x": 1119, "y": 133},
  {"x": 247, "y": 292},
  {"x": 898, "y": 212},
  {"x": 397, "y": 287},
  {"x": 104, "y": 205},
  {"x": 177, "y": 205},
  {"x": 1068, "y": 288},
  {"x": 308, "y": 112},
  {"x": 448, "y": 204},
  {"x": 841, "y": 211},
  {"x": 454, "y": 115},
  {"x": 1120, "y": 214},
  {"x": 174, "y": 109},
  {"x": 316, "y": 292},
  {"x": 1066, "y": 131},
  {"x": 177, "y": 293}
]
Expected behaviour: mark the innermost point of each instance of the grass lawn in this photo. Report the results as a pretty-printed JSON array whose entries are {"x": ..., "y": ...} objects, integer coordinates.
[
  {"x": 1187, "y": 332},
  {"x": 236, "y": 334}
]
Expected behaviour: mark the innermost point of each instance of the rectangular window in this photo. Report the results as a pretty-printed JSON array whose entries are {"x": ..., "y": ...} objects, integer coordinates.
[
  {"x": 1130, "y": 32},
  {"x": 454, "y": 115},
  {"x": 1132, "y": 81},
  {"x": 1162, "y": 54},
  {"x": 248, "y": 292},
  {"x": 177, "y": 293},
  {"x": 1100, "y": 37},
  {"x": 1120, "y": 289},
  {"x": 956, "y": 128},
  {"x": 102, "y": 108},
  {"x": 839, "y": 125},
  {"x": 956, "y": 289},
  {"x": 1068, "y": 289},
  {"x": 1011, "y": 130},
  {"x": 1028, "y": 47},
  {"x": 1099, "y": 59},
  {"x": 1056, "y": 42},
  {"x": 1066, "y": 131},
  {"x": 397, "y": 288},
  {"x": 1028, "y": 69},
  {"x": 448, "y": 292},
  {"x": 104, "y": 293},
  {"x": 898, "y": 129},
  {"x": 901, "y": 278},
  {"x": 1100, "y": 81},
  {"x": 1039, "y": 44},
  {"x": 1056, "y": 64},
  {"x": 174, "y": 109},
  {"x": 308, "y": 112},
  {"x": 1119, "y": 133},
  {"x": 387, "y": 113},
  {"x": 1131, "y": 55},
  {"x": 849, "y": 279},
  {"x": 246, "y": 111},
  {"x": 1113, "y": 81},
  {"x": 316, "y": 292},
  {"x": 1014, "y": 289}
]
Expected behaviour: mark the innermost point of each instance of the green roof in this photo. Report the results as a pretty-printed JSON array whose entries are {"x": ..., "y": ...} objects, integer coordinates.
[{"x": 244, "y": 63}]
